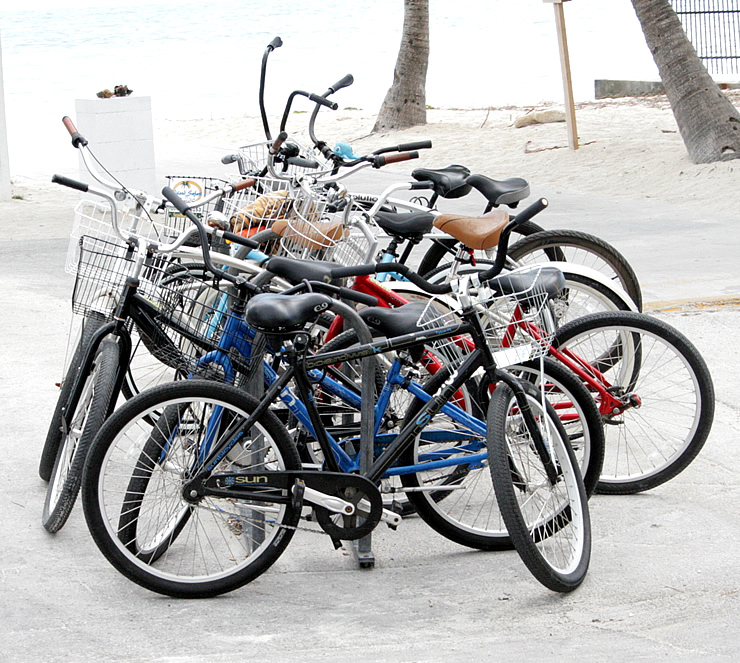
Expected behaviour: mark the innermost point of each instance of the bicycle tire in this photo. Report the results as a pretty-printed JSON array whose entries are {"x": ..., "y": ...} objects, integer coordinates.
[
  {"x": 650, "y": 444},
  {"x": 442, "y": 248},
  {"x": 54, "y": 436},
  {"x": 577, "y": 412},
  {"x": 580, "y": 248},
  {"x": 89, "y": 414},
  {"x": 549, "y": 523},
  {"x": 224, "y": 543}
]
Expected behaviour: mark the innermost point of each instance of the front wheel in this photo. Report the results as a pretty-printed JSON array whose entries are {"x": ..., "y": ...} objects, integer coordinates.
[
  {"x": 546, "y": 514},
  {"x": 87, "y": 417},
  {"x": 134, "y": 500}
]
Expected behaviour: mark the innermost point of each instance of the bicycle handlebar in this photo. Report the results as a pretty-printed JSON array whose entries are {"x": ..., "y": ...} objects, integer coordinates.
[
  {"x": 77, "y": 138},
  {"x": 72, "y": 184},
  {"x": 406, "y": 147},
  {"x": 380, "y": 161}
]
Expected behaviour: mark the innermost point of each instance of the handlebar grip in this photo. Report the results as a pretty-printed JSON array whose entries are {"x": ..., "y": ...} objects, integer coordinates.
[
  {"x": 238, "y": 239},
  {"x": 77, "y": 138},
  {"x": 416, "y": 186},
  {"x": 302, "y": 163},
  {"x": 418, "y": 145},
  {"x": 535, "y": 208},
  {"x": 318, "y": 99},
  {"x": 353, "y": 270},
  {"x": 344, "y": 82},
  {"x": 359, "y": 297},
  {"x": 229, "y": 158},
  {"x": 72, "y": 184},
  {"x": 178, "y": 203},
  {"x": 275, "y": 43},
  {"x": 244, "y": 184},
  {"x": 282, "y": 137},
  {"x": 380, "y": 161}
]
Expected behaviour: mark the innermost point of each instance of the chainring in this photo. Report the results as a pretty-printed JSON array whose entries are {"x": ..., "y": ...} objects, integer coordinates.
[{"x": 350, "y": 528}]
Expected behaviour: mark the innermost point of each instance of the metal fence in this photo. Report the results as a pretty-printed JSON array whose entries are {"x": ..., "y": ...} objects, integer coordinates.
[{"x": 713, "y": 27}]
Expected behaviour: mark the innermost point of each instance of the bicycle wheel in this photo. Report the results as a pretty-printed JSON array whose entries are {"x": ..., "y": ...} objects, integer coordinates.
[
  {"x": 665, "y": 387},
  {"x": 581, "y": 249},
  {"x": 548, "y": 520},
  {"x": 93, "y": 321},
  {"x": 133, "y": 491},
  {"x": 88, "y": 416},
  {"x": 581, "y": 295},
  {"x": 442, "y": 250},
  {"x": 577, "y": 412}
]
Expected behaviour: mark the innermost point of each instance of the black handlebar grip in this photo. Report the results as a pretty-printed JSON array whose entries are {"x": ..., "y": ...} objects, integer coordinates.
[
  {"x": 77, "y": 138},
  {"x": 275, "y": 43},
  {"x": 418, "y": 145},
  {"x": 302, "y": 163},
  {"x": 344, "y": 82},
  {"x": 178, "y": 203},
  {"x": 416, "y": 186},
  {"x": 72, "y": 184},
  {"x": 359, "y": 297},
  {"x": 318, "y": 99},
  {"x": 354, "y": 270},
  {"x": 405, "y": 270},
  {"x": 535, "y": 208},
  {"x": 238, "y": 239},
  {"x": 229, "y": 158}
]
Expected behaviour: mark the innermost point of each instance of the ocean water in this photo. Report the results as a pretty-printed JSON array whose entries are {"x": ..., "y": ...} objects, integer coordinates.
[{"x": 201, "y": 59}]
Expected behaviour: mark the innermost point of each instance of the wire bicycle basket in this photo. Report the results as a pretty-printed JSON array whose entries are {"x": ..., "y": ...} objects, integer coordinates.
[{"x": 513, "y": 310}]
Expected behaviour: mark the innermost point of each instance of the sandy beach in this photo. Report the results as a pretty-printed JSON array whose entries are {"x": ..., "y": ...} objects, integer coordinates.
[{"x": 629, "y": 148}]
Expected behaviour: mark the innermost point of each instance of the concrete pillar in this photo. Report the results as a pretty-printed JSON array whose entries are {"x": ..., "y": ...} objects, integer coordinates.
[
  {"x": 121, "y": 135},
  {"x": 4, "y": 159}
]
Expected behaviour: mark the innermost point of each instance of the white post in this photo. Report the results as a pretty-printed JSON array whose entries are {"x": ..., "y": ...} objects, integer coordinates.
[
  {"x": 4, "y": 160},
  {"x": 570, "y": 109}
]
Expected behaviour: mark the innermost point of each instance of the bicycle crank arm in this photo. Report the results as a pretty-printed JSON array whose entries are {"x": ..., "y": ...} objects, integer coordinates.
[{"x": 329, "y": 502}]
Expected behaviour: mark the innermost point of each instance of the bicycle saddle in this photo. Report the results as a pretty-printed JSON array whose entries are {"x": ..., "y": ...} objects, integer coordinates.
[
  {"x": 393, "y": 322},
  {"x": 407, "y": 225},
  {"x": 500, "y": 192},
  {"x": 278, "y": 314},
  {"x": 296, "y": 271},
  {"x": 530, "y": 286},
  {"x": 449, "y": 182},
  {"x": 475, "y": 232}
]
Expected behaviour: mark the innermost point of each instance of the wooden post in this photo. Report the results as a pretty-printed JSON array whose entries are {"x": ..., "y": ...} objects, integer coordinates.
[
  {"x": 570, "y": 109},
  {"x": 4, "y": 159}
]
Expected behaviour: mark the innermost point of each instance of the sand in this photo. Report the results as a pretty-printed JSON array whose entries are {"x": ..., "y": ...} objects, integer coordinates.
[{"x": 629, "y": 148}]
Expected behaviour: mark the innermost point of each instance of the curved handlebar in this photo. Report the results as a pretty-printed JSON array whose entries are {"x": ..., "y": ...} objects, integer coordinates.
[{"x": 275, "y": 43}]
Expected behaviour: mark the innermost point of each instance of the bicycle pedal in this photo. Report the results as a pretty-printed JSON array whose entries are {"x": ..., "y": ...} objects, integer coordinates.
[{"x": 298, "y": 489}]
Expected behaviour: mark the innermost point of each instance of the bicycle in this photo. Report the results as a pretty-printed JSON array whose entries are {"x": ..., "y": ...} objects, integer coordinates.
[{"x": 255, "y": 503}]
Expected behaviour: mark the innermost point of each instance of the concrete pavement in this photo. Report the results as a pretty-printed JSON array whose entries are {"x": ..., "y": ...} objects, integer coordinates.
[{"x": 664, "y": 579}]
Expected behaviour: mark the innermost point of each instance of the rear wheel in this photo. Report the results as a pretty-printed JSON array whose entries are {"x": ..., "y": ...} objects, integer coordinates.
[
  {"x": 580, "y": 249},
  {"x": 546, "y": 516},
  {"x": 664, "y": 385}
]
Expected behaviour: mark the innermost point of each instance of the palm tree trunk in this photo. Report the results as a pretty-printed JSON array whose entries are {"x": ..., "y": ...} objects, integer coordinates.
[
  {"x": 708, "y": 122},
  {"x": 405, "y": 102}
]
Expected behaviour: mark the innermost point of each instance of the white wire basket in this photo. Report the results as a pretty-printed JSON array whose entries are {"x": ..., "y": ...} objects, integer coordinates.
[
  {"x": 93, "y": 218},
  {"x": 254, "y": 158},
  {"x": 325, "y": 229},
  {"x": 256, "y": 208},
  {"x": 513, "y": 310}
]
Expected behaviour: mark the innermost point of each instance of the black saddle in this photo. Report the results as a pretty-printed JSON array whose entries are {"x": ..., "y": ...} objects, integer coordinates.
[
  {"x": 500, "y": 192},
  {"x": 532, "y": 285},
  {"x": 407, "y": 225},
  {"x": 274, "y": 313},
  {"x": 449, "y": 182},
  {"x": 296, "y": 271}
]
